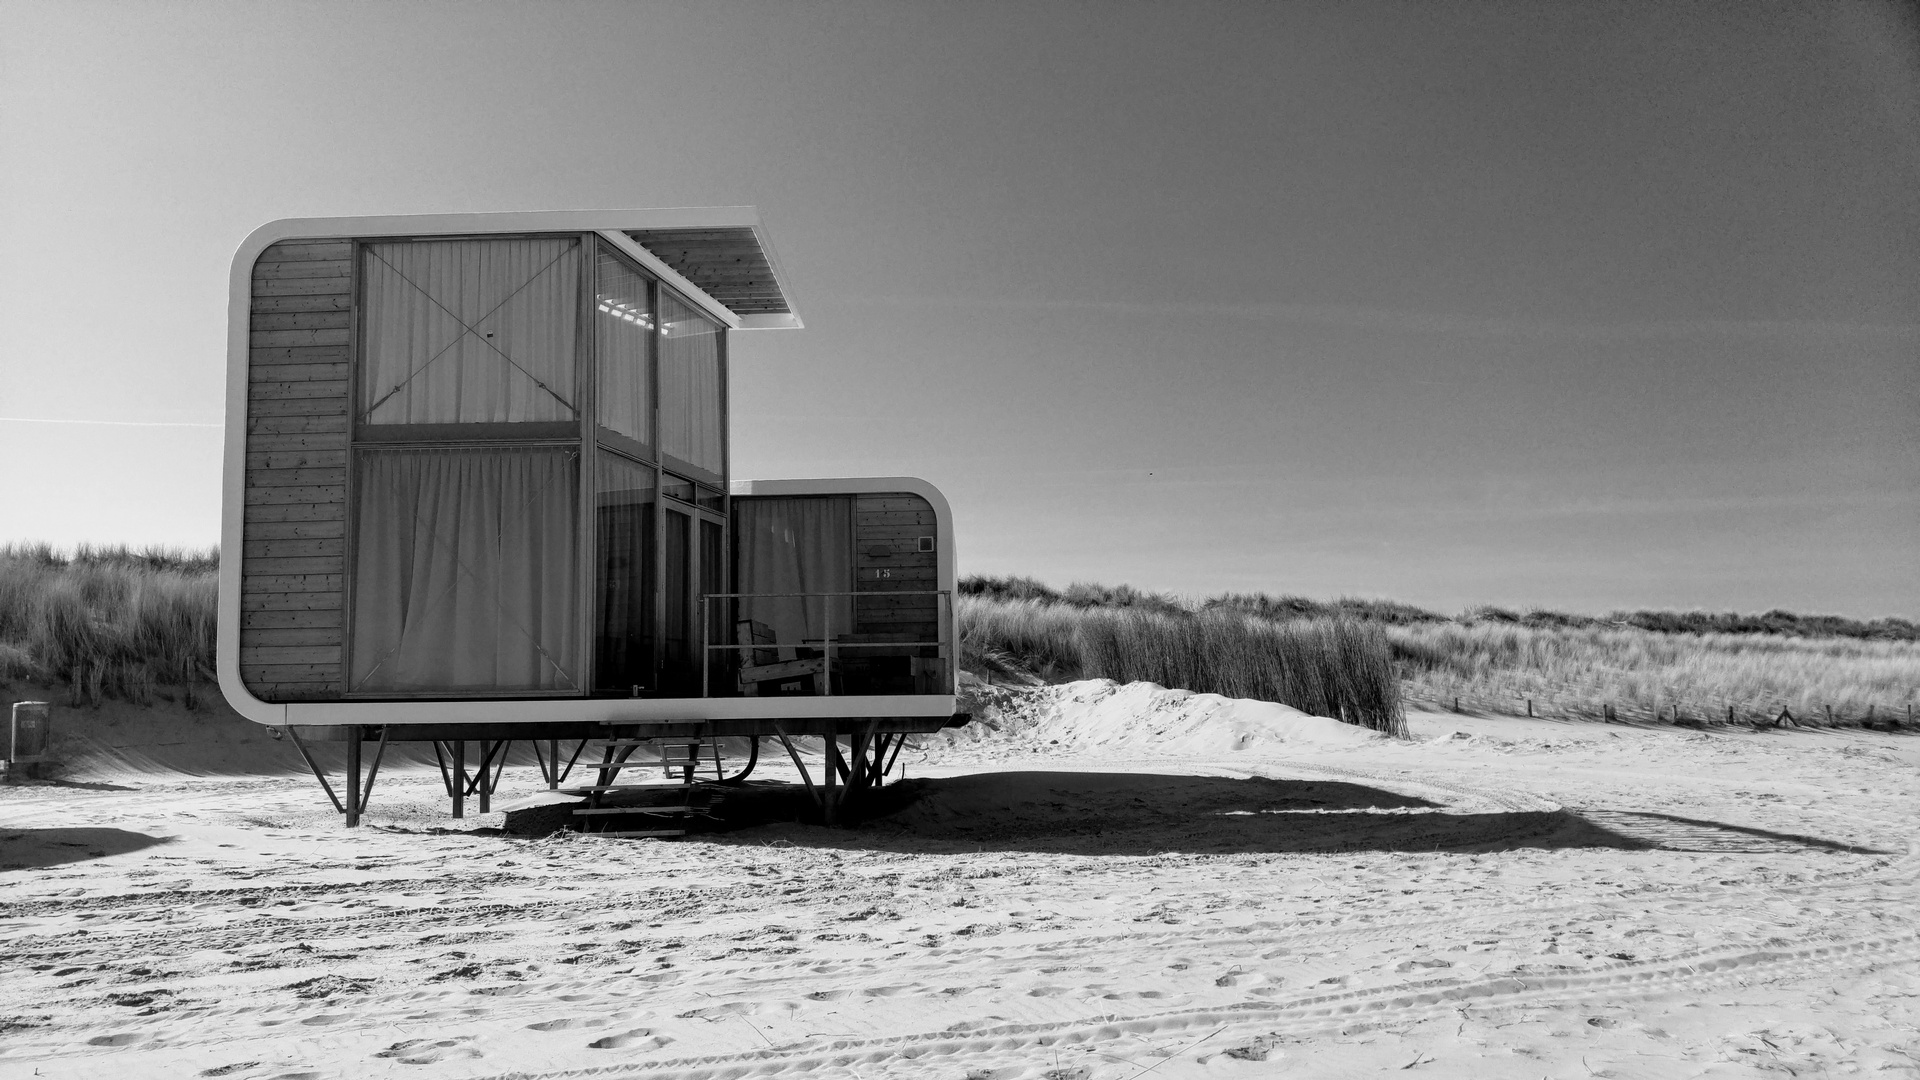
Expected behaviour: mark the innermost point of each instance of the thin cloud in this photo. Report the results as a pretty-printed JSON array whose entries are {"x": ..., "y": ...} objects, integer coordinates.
[
  {"x": 1363, "y": 317},
  {"x": 108, "y": 423}
]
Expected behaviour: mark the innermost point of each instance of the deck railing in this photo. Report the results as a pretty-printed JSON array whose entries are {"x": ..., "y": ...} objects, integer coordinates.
[{"x": 828, "y": 643}]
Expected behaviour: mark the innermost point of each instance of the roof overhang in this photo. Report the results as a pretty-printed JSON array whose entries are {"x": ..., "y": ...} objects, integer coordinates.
[{"x": 719, "y": 256}]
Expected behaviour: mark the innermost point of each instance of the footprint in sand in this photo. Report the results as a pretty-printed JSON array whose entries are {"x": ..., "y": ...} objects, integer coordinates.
[
  {"x": 719, "y": 1012},
  {"x": 568, "y": 1023},
  {"x": 429, "y": 1051},
  {"x": 637, "y": 1039},
  {"x": 124, "y": 1038}
]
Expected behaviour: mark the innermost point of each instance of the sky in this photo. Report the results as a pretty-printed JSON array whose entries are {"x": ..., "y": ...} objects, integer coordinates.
[{"x": 1586, "y": 306}]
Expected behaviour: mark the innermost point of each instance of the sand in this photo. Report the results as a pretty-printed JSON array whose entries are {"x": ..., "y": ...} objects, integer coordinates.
[{"x": 1097, "y": 881}]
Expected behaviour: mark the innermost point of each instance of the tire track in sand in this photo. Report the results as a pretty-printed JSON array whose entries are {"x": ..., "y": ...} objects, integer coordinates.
[{"x": 1377, "y": 1007}]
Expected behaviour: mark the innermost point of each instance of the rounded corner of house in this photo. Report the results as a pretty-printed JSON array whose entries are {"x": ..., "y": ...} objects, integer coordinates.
[{"x": 241, "y": 698}]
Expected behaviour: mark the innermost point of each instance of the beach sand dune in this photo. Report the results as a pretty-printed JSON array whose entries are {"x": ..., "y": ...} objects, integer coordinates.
[{"x": 1096, "y": 881}]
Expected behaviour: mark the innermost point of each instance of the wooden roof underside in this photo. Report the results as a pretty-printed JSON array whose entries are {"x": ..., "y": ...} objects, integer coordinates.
[{"x": 727, "y": 263}]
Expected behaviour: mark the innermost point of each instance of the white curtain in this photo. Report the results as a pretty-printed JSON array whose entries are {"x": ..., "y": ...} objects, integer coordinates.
[
  {"x": 690, "y": 406},
  {"x": 469, "y": 331},
  {"x": 465, "y": 571},
  {"x": 795, "y": 545},
  {"x": 623, "y": 321}
]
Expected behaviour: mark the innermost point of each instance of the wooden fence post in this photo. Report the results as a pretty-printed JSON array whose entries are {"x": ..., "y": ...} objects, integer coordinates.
[{"x": 1529, "y": 707}]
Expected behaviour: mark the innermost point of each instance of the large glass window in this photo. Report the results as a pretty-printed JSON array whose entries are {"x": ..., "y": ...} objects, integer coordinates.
[
  {"x": 795, "y": 545},
  {"x": 470, "y": 574},
  {"x": 692, "y": 388},
  {"x": 465, "y": 571},
  {"x": 624, "y": 577},
  {"x": 623, "y": 336},
  {"x": 469, "y": 331}
]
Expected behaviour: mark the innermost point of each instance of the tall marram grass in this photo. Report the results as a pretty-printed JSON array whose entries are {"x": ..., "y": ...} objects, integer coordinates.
[
  {"x": 1578, "y": 671},
  {"x": 1338, "y": 667},
  {"x": 1639, "y": 664},
  {"x": 1775, "y": 623},
  {"x": 108, "y": 622}
]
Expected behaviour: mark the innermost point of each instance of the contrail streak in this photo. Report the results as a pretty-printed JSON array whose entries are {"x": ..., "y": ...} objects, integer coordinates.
[{"x": 112, "y": 423}]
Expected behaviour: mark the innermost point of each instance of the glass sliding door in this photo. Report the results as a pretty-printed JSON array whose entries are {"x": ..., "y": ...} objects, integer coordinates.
[
  {"x": 692, "y": 564},
  {"x": 624, "y": 577},
  {"x": 713, "y": 579},
  {"x": 679, "y": 667}
]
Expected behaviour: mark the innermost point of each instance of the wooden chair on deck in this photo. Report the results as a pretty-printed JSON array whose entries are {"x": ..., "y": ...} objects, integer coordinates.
[{"x": 760, "y": 660}]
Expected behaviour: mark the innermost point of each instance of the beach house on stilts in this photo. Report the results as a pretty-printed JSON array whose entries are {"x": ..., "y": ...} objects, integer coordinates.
[{"x": 478, "y": 493}]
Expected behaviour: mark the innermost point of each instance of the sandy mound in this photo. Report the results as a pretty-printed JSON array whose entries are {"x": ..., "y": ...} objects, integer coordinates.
[
  {"x": 118, "y": 739},
  {"x": 1100, "y": 715}
]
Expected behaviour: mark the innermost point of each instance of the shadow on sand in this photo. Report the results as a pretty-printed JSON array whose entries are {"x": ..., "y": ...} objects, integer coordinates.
[
  {"x": 1100, "y": 813},
  {"x": 34, "y": 849},
  {"x": 1094, "y": 813},
  {"x": 1668, "y": 832}
]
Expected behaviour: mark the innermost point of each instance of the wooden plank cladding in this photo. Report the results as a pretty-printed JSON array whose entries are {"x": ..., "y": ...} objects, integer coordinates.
[
  {"x": 887, "y": 561},
  {"x": 300, "y": 320},
  {"x": 293, "y": 550},
  {"x": 300, "y": 268},
  {"x": 309, "y": 251},
  {"x": 297, "y": 338},
  {"x": 280, "y": 304},
  {"x": 316, "y": 457}
]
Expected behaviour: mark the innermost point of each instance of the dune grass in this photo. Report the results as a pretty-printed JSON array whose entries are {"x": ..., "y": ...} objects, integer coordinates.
[
  {"x": 108, "y": 622},
  {"x": 1580, "y": 671},
  {"x": 1338, "y": 667},
  {"x": 1642, "y": 665},
  {"x": 123, "y": 623}
]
